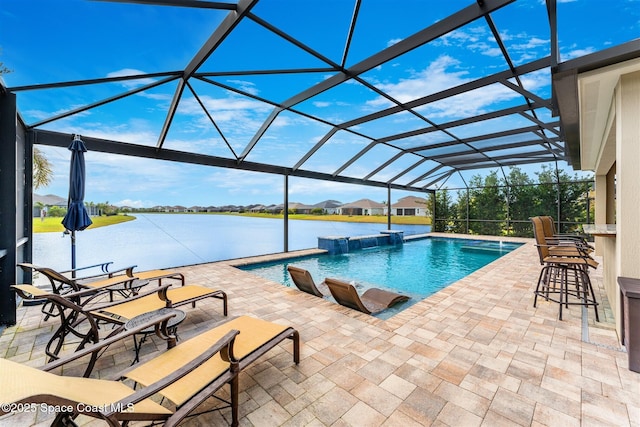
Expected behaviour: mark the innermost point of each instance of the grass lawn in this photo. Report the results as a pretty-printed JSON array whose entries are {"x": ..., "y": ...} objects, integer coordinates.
[
  {"x": 378, "y": 219},
  {"x": 54, "y": 224}
]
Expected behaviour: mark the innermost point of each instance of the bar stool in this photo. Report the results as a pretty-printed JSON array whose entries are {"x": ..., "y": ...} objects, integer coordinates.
[
  {"x": 565, "y": 271},
  {"x": 562, "y": 278}
]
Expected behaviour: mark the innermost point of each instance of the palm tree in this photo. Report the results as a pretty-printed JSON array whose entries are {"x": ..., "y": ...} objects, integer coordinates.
[
  {"x": 41, "y": 167},
  {"x": 3, "y": 69},
  {"x": 42, "y": 170}
]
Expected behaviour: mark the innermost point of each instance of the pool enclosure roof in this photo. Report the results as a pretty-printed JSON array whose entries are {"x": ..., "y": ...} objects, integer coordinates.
[{"x": 324, "y": 91}]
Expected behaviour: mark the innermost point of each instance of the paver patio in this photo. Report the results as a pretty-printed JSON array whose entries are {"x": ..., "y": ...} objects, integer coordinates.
[{"x": 476, "y": 353}]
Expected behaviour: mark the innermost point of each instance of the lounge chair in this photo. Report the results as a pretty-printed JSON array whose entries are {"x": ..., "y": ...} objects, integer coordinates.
[
  {"x": 187, "y": 375},
  {"x": 303, "y": 280},
  {"x": 123, "y": 310},
  {"x": 373, "y": 301},
  {"x": 126, "y": 277},
  {"x": 103, "y": 266},
  {"x": 145, "y": 275},
  {"x": 159, "y": 275},
  {"x": 80, "y": 315},
  {"x": 61, "y": 284}
]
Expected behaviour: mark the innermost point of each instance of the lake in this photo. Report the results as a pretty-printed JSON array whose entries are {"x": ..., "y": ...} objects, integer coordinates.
[{"x": 173, "y": 240}]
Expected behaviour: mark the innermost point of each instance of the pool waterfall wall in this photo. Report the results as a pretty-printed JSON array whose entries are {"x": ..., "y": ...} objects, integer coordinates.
[{"x": 336, "y": 245}]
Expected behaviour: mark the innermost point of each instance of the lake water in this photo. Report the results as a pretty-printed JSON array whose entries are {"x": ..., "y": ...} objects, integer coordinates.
[{"x": 173, "y": 240}]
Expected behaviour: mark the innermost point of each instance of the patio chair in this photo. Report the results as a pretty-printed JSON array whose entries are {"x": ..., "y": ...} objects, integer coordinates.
[
  {"x": 373, "y": 301},
  {"x": 81, "y": 314},
  {"x": 186, "y": 375},
  {"x": 303, "y": 280}
]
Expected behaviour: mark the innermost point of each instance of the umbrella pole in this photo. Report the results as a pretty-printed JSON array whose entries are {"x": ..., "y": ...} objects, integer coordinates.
[{"x": 73, "y": 254}]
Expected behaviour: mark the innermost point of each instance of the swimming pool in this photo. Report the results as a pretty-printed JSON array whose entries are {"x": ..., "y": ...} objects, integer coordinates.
[{"x": 417, "y": 268}]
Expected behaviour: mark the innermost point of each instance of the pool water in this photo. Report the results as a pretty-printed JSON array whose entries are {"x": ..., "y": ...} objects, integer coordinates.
[{"x": 418, "y": 268}]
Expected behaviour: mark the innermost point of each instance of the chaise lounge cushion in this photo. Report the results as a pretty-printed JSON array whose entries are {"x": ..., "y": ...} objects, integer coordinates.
[
  {"x": 255, "y": 336},
  {"x": 20, "y": 382},
  {"x": 178, "y": 296}
]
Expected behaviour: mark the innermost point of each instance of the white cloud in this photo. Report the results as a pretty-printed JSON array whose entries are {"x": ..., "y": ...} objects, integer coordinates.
[
  {"x": 444, "y": 73},
  {"x": 458, "y": 38},
  {"x": 310, "y": 191},
  {"x": 131, "y": 84},
  {"x": 529, "y": 43},
  {"x": 576, "y": 53},
  {"x": 485, "y": 49},
  {"x": 393, "y": 41},
  {"x": 430, "y": 80},
  {"x": 135, "y": 203},
  {"x": 246, "y": 86},
  {"x": 480, "y": 40},
  {"x": 240, "y": 182}
]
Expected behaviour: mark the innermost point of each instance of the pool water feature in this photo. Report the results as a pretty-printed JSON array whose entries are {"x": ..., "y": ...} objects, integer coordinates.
[
  {"x": 418, "y": 268},
  {"x": 488, "y": 246}
]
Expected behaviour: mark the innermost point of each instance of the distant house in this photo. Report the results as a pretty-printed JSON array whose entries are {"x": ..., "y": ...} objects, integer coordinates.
[
  {"x": 43, "y": 203},
  {"x": 231, "y": 208},
  {"x": 363, "y": 207},
  {"x": 275, "y": 209},
  {"x": 300, "y": 208},
  {"x": 258, "y": 209},
  {"x": 410, "y": 206},
  {"x": 328, "y": 206}
]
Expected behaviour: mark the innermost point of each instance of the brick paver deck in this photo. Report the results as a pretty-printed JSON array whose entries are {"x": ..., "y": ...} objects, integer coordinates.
[{"x": 476, "y": 353}]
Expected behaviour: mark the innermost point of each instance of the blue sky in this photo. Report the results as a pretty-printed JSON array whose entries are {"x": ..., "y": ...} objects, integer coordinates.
[{"x": 45, "y": 41}]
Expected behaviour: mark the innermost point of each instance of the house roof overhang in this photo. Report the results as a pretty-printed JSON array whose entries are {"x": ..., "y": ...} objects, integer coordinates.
[{"x": 583, "y": 90}]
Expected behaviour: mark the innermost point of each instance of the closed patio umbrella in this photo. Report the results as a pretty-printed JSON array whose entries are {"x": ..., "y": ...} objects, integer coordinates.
[{"x": 77, "y": 217}]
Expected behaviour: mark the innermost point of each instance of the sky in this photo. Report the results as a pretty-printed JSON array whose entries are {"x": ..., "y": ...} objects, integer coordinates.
[{"x": 43, "y": 41}]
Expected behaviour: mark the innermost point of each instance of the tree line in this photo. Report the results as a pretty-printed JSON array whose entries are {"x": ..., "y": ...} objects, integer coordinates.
[
  {"x": 494, "y": 205},
  {"x": 93, "y": 208}
]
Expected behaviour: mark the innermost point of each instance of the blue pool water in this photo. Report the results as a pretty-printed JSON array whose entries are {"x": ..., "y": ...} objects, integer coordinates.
[{"x": 418, "y": 268}]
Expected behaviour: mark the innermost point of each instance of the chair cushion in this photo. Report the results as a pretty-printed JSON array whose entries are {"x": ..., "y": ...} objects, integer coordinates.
[
  {"x": 133, "y": 308},
  {"x": 254, "y": 333},
  {"x": 23, "y": 383}
]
